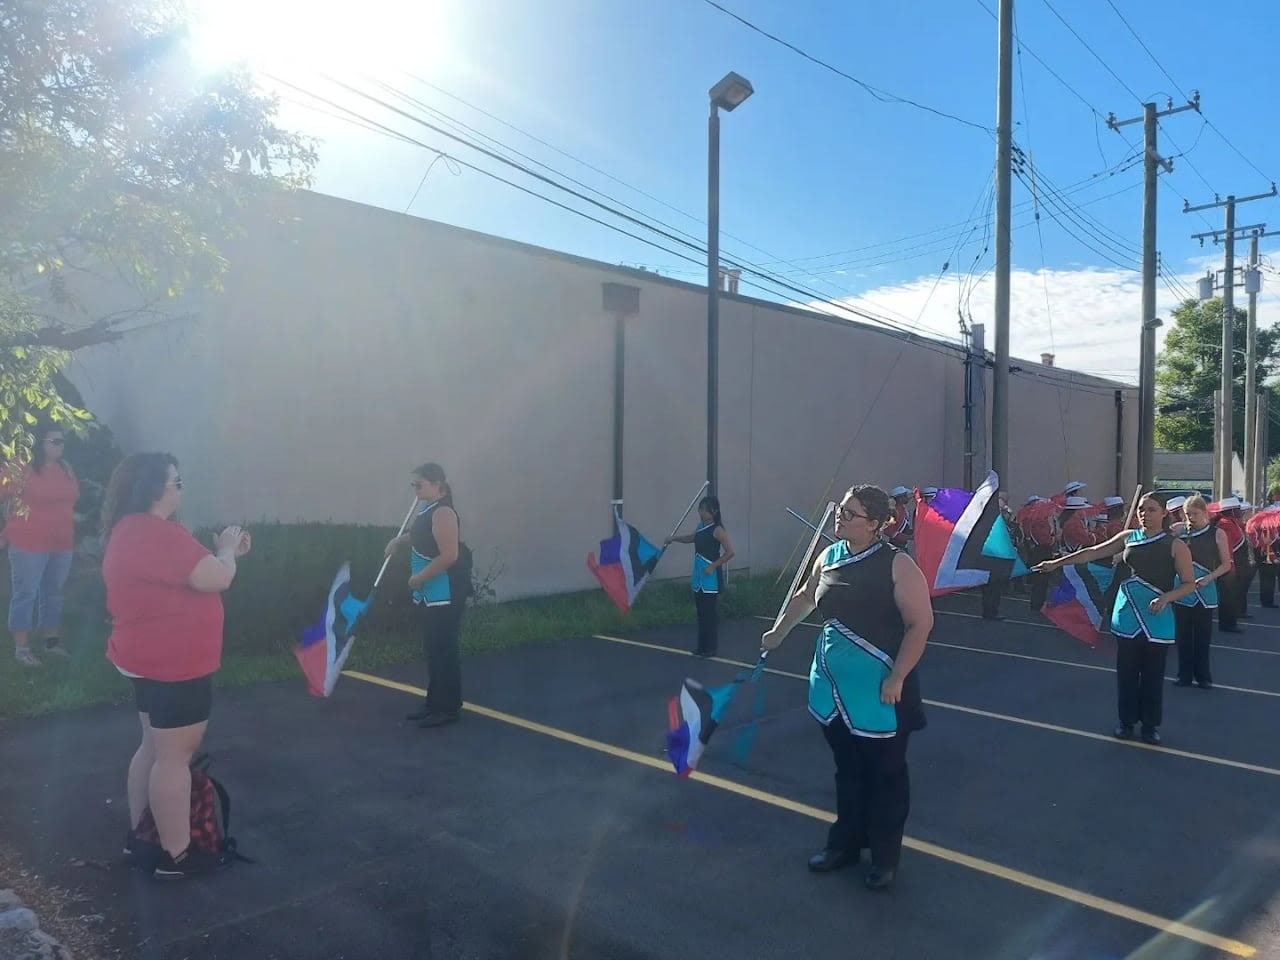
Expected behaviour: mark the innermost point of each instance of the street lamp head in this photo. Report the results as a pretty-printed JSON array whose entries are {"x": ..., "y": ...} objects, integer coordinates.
[{"x": 731, "y": 91}]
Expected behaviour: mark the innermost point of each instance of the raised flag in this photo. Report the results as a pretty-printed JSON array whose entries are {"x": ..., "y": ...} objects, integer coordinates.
[
  {"x": 962, "y": 540},
  {"x": 624, "y": 563},
  {"x": 1075, "y": 602}
]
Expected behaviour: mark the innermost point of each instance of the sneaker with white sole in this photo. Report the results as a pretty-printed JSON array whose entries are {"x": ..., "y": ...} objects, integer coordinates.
[{"x": 191, "y": 863}]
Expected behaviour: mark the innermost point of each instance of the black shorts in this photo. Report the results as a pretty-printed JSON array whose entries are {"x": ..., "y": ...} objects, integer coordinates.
[{"x": 183, "y": 703}]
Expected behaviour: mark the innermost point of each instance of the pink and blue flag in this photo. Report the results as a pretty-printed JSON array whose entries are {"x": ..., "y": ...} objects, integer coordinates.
[
  {"x": 1075, "y": 603},
  {"x": 962, "y": 540},
  {"x": 695, "y": 712},
  {"x": 625, "y": 561},
  {"x": 326, "y": 644}
]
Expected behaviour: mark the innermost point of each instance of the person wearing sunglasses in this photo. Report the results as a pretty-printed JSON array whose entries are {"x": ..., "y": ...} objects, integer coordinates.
[
  {"x": 1159, "y": 574},
  {"x": 164, "y": 595},
  {"x": 40, "y": 533},
  {"x": 864, "y": 690}
]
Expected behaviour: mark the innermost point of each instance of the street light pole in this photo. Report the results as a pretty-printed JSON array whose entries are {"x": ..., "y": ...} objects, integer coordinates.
[{"x": 731, "y": 91}]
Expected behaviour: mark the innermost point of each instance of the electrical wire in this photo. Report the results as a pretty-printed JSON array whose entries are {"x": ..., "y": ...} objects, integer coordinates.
[{"x": 883, "y": 96}]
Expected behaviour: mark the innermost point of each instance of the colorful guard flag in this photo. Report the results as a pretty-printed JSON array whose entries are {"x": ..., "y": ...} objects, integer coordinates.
[
  {"x": 326, "y": 644},
  {"x": 962, "y": 540},
  {"x": 625, "y": 561},
  {"x": 694, "y": 714},
  {"x": 1075, "y": 602}
]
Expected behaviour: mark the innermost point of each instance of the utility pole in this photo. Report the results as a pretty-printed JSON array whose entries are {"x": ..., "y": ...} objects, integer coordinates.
[
  {"x": 1004, "y": 172},
  {"x": 1251, "y": 383},
  {"x": 1228, "y": 237},
  {"x": 1152, "y": 161}
]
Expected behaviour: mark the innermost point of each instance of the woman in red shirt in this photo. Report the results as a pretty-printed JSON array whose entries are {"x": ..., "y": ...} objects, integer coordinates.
[
  {"x": 41, "y": 537},
  {"x": 163, "y": 594}
]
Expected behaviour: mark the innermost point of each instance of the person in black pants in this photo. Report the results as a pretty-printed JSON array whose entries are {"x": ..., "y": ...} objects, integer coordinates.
[
  {"x": 434, "y": 547},
  {"x": 712, "y": 550},
  {"x": 864, "y": 688},
  {"x": 1210, "y": 560},
  {"x": 1266, "y": 551},
  {"x": 1143, "y": 621}
]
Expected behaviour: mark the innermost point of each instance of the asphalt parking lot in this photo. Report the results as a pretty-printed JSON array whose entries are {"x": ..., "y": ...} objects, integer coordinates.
[{"x": 548, "y": 823}]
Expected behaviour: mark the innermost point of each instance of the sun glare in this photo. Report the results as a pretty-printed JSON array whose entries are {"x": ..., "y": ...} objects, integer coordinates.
[{"x": 293, "y": 34}]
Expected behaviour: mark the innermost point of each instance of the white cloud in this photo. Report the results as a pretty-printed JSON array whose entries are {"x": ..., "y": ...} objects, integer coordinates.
[{"x": 1090, "y": 321}]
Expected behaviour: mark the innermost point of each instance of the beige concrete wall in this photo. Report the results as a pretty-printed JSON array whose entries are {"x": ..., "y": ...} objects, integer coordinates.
[{"x": 352, "y": 343}]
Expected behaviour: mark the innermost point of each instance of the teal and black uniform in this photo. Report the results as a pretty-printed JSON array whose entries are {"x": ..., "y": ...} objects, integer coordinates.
[
  {"x": 1143, "y": 637},
  {"x": 441, "y": 609},
  {"x": 862, "y": 633},
  {"x": 706, "y": 588}
]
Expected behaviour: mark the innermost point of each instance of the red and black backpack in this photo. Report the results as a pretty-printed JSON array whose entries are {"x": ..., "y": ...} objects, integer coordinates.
[{"x": 210, "y": 815}]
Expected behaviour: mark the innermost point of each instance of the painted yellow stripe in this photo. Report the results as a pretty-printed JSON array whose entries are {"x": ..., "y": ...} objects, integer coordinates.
[
  {"x": 1056, "y": 662},
  {"x": 990, "y": 715},
  {"x": 1061, "y": 891}
]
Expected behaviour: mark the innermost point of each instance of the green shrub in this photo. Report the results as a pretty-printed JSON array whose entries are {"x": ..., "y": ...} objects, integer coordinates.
[{"x": 282, "y": 586}]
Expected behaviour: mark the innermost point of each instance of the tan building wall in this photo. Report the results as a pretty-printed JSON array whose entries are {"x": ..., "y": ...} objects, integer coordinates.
[{"x": 352, "y": 343}]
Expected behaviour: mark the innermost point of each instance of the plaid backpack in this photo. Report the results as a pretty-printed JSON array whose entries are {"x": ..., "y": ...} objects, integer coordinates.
[{"x": 210, "y": 815}]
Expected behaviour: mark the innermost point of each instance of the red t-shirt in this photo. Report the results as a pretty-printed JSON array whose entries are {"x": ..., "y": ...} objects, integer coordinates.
[
  {"x": 50, "y": 498},
  {"x": 161, "y": 628}
]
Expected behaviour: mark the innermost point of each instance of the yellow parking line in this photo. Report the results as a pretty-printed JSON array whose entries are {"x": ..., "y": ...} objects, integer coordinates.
[
  {"x": 990, "y": 715},
  {"x": 1061, "y": 663},
  {"x": 1061, "y": 891}
]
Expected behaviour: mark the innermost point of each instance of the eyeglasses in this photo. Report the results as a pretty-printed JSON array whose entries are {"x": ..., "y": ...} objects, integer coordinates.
[
  {"x": 846, "y": 515},
  {"x": 56, "y": 441},
  {"x": 177, "y": 483}
]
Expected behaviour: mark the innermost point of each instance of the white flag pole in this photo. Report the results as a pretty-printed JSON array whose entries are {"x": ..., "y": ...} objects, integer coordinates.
[
  {"x": 692, "y": 503},
  {"x": 803, "y": 567},
  {"x": 407, "y": 517}
]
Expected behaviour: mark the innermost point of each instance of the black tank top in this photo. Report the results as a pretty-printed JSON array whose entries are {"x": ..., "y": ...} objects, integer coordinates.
[
  {"x": 705, "y": 543},
  {"x": 1204, "y": 547},
  {"x": 1151, "y": 559},
  {"x": 857, "y": 590}
]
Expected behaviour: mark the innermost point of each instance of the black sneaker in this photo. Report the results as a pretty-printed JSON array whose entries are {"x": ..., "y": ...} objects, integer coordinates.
[
  {"x": 1151, "y": 736},
  {"x": 437, "y": 720},
  {"x": 142, "y": 853},
  {"x": 420, "y": 714},
  {"x": 191, "y": 863},
  {"x": 1123, "y": 732}
]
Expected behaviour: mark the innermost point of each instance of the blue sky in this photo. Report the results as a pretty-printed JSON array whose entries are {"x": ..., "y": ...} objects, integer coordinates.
[{"x": 815, "y": 171}]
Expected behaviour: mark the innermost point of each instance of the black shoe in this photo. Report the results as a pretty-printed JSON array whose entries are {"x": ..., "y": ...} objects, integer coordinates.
[
  {"x": 437, "y": 720},
  {"x": 1151, "y": 735},
  {"x": 420, "y": 714},
  {"x": 1206, "y": 684},
  {"x": 1124, "y": 731},
  {"x": 191, "y": 863},
  {"x": 1181, "y": 683},
  {"x": 994, "y": 616},
  {"x": 142, "y": 854},
  {"x": 825, "y": 861},
  {"x": 880, "y": 878}
]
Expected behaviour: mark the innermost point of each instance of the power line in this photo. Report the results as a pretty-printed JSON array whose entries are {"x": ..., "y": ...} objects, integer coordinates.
[
  {"x": 769, "y": 282},
  {"x": 1085, "y": 43},
  {"x": 883, "y": 96}
]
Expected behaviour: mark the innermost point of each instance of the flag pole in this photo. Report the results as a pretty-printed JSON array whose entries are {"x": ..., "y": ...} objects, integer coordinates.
[
  {"x": 387, "y": 560},
  {"x": 803, "y": 567},
  {"x": 692, "y": 503},
  {"x": 828, "y": 536}
]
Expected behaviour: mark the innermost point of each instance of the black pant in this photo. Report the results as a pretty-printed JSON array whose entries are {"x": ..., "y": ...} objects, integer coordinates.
[
  {"x": 1140, "y": 680},
  {"x": 1267, "y": 584},
  {"x": 1195, "y": 631},
  {"x": 873, "y": 793},
  {"x": 1228, "y": 608},
  {"x": 1246, "y": 574},
  {"x": 991, "y": 600},
  {"x": 1040, "y": 581},
  {"x": 441, "y": 633},
  {"x": 708, "y": 622}
]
